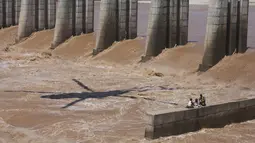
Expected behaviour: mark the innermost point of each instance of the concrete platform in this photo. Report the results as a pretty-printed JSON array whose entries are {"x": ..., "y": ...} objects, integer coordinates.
[{"x": 169, "y": 122}]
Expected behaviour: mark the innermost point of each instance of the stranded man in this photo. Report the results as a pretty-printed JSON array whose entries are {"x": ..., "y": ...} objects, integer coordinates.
[
  {"x": 190, "y": 104},
  {"x": 202, "y": 100}
]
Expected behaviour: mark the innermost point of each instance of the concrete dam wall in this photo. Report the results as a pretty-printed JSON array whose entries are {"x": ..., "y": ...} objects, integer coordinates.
[
  {"x": 67, "y": 17},
  {"x": 167, "y": 122},
  {"x": 9, "y": 12},
  {"x": 168, "y": 25},
  {"x": 36, "y": 15},
  {"x": 73, "y": 18},
  {"x": 118, "y": 21},
  {"x": 227, "y": 23},
  {"x": 227, "y": 29}
]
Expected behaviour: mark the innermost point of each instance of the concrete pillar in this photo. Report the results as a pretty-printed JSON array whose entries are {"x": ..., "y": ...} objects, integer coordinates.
[
  {"x": 36, "y": 17},
  {"x": 89, "y": 20},
  {"x": 62, "y": 27},
  {"x": 183, "y": 22},
  {"x": 243, "y": 26},
  {"x": 215, "y": 41},
  {"x": 231, "y": 44},
  {"x": 27, "y": 19},
  {"x": 133, "y": 12},
  {"x": 156, "y": 35},
  {"x": 122, "y": 19},
  {"x": 42, "y": 12},
  {"x": 107, "y": 33},
  {"x": 72, "y": 16},
  {"x": 127, "y": 19},
  {"x": 80, "y": 12},
  {"x": 172, "y": 27},
  {"x": 51, "y": 13},
  {"x": 1, "y": 13},
  {"x": 10, "y": 14},
  {"x": 168, "y": 25},
  {"x": 17, "y": 11},
  {"x": 178, "y": 20}
]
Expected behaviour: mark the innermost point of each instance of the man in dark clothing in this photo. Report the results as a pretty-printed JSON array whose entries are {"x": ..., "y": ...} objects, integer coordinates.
[{"x": 202, "y": 100}]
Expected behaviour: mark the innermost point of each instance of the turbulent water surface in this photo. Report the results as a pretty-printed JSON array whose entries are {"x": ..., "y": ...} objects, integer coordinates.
[{"x": 49, "y": 100}]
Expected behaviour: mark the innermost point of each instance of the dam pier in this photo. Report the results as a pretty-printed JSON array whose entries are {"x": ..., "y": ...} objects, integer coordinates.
[
  {"x": 227, "y": 30},
  {"x": 36, "y": 15},
  {"x": 167, "y": 26},
  {"x": 9, "y": 12},
  {"x": 118, "y": 21},
  {"x": 227, "y": 24},
  {"x": 73, "y": 18},
  {"x": 64, "y": 76}
]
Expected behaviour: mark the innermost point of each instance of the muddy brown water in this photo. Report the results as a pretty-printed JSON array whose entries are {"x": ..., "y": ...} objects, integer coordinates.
[{"x": 54, "y": 100}]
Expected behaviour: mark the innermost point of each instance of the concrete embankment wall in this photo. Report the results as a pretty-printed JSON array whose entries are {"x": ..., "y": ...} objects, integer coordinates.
[{"x": 166, "y": 123}]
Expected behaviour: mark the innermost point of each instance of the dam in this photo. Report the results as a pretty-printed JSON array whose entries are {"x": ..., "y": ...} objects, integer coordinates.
[
  {"x": 73, "y": 30},
  {"x": 167, "y": 25}
]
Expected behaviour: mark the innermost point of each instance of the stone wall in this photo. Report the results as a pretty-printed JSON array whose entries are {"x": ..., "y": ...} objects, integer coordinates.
[{"x": 166, "y": 123}]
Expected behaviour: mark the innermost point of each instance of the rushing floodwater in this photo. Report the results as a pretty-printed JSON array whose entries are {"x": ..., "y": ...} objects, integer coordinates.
[{"x": 39, "y": 102}]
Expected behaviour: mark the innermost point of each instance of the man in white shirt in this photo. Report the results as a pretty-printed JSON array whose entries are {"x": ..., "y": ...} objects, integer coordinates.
[{"x": 190, "y": 104}]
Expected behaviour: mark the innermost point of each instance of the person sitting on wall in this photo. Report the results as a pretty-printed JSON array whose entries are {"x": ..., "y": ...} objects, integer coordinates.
[
  {"x": 196, "y": 104},
  {"x": 190, "y": 104},
  {"x": 202, "y": 100}
]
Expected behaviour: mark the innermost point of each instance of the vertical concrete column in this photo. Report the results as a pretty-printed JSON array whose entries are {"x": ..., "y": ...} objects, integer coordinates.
[
  {"x": 156, "y": 35},
  {"x": 26, "y": 19},
  {"x": 72, "y": 16},
  {"x": 36, "y": 17},
  {"x": 9, "y": 12},
  {"x": 1, "y": 13},
  {"x": 183, "y": 22},
  {"x": 62, "y": 28},
  {"x": 79, "y": 17},
  {"x": 127, "y": 19},
  {"x": 172, "y": 24},
  {"x": 122, "y": 20},
  {"x": 107, "y": 29},
  {"x": 42, "y": 14},
  {"x": 51, "y": 16},
  {"x": 17, "y": 11},
  {"x": 4, "y": 13},
  {"x": 231, "y": 27},
  {"x": 215, "y": 41},
  {"x": 133, "y": 12},
  {"x": 243, "y": 26},
  {"x": 89, "y": 27}
]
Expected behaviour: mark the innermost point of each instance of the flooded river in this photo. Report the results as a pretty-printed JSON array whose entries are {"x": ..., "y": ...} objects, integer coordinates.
[{"x": 51, "y": 100}]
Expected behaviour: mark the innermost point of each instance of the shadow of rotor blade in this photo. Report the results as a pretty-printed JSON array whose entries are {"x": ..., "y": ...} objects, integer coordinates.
[
  {"x": 27, "y": 91},
  {"x": 82, "y": 85},
  {"x": 72, "y": 103}
]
